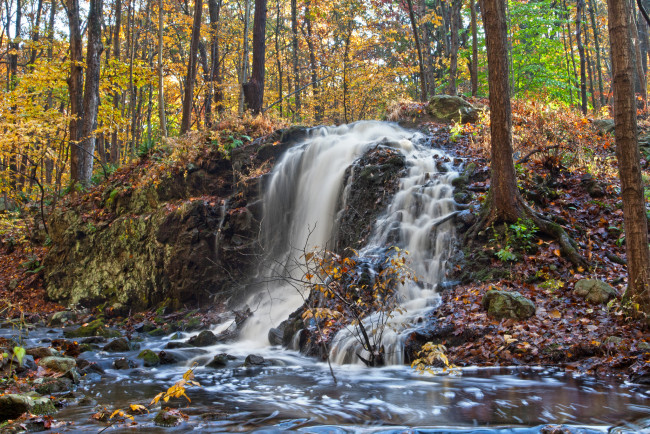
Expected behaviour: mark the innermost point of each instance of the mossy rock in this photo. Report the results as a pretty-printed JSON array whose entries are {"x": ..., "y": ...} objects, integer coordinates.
[
  {"x": 43, "y": 406},
  {"x": 13, "y": 405},
  {"x": 58, "y": 364},
  {"x": 450, "y": 108},
  {"x": 149, "y": 358},
  {"x": 93, "y": 328},
  {"x": 594, "y": 291},
  {"x": 508, "y": 304},
  {"x": 167, "y": 418}
]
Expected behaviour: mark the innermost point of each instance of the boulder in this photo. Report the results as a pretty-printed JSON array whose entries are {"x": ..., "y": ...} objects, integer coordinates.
[
  {"x": 49, "y": 386},
  {"x": 221, "y": 361},
  {"x": 13, "y": 405},
  {"x": 508, "y": 304},
  {"x": 448, "y": 108},
  {"x": 60, "y": 318},
  {"x": 93, "y": 328},
  {"x": 41, "y": 352},
  {"x": 594, "y": 291},
  {"x": 203, "y": 339},
  {"x": 124, "y": 363},
  {"x": 119, "y": 345},
  {"x": 58, "y": 364},
  {"x": 149, "y": 358},
  {"x": 167, "y": 418},
  {"x": 604, "y": 126},
  {"x": 170, "y": 357},
  {"x": 254, "y": 360}
]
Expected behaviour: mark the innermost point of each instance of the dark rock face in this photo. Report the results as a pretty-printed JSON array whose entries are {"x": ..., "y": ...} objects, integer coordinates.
[
  {"x": 203, "y": 339},
  {"x": 156, "y": 250},
  {"x": 119, "y": 345},
  {"x": 372, "y": 180}
]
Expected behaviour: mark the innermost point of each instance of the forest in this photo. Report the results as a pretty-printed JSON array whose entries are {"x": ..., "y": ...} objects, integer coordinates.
[{"x": 317, "y": 216}]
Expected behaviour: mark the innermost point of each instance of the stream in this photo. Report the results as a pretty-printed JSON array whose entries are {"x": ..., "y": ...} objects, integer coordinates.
[{"x": 297, "y": 393}]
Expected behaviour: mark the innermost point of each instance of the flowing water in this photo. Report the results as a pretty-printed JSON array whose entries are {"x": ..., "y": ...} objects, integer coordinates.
[
  {"x": 295, "y": 393},
  {"x": 300, "y": 214}
]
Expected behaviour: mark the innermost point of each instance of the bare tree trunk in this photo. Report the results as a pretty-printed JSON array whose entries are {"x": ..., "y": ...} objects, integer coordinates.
[
  {"x": 568, "y": 66},
  {"x": 244, "y": 71},
  {"x": 214, "y": 8},
  {"x": 188, "y": 99},
  {"x": 254, "y": 89},
  {"x": 590, "y": 69},
  {"x": 627, "y": 152},
  {"x": 346, "y": 56},
  {"x": 423, "y": 79},
  {"x": 318, "y": 108},
  {"x": 474, "y": 64},
  {"x": 117, "y": 96},
  {"x": 599, "y": 68},
  {"x": 277, "y": 55},
  {"x": 455, "y": 44},
  {"x": 296, "y": 70},
  {"x": 161, "y": 78},
  {"x": 14, "y": 46},
  {"x": 75, "y": 89},
  {"x": 643, "y": 90},
  {"x": 581, "y": 52},
  {"x": 36, "y": 34}
]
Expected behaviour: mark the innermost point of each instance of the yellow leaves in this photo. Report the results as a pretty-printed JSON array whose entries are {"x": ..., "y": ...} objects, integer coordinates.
[
  {"x": 120, "y": 413},
  {"x": 555, "y": 314},
  {"x": 557, "y": 253},
  {"x": 138, "y": 408},
  {"x": 509, "y": 339}
]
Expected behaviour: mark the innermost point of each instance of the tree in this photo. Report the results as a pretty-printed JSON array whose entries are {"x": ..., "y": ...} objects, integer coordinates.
[
  {"x": 188, "y": 99},
  {"x": 423, "y": 79},
  {"x": 504, "y": 203},
  {"x": 627, "y": 153},
  {"x": 581, "y": 52},
  {"x": 254, "y": 88}
]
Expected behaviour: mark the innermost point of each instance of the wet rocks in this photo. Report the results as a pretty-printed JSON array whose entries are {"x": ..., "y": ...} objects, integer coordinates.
[
  {"x": 120, "y": 345},
  {"x": 221, "y": 361},
  {"x": 124, "y": 363},
  {"x": 507, "y": 304},
  {"x": 168, "y": 418},
  {"x": 448, "y": 108},
  {"x": 13, "y": 405},
  {"x": 203, "y": 339},
  {"x": 41, "y": 352},
  {"x": 93, "y": 328},
  {"x": 149, "y": 358},
  {"x": 254, "y": 360},
  {"x": 594, "y": 291},
  {"x": 58, "y": 364}
]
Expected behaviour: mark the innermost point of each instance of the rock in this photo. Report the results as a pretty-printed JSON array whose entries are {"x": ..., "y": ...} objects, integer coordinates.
[
  {"x": 50, "y": 386},
  {"x": 613, "y": 340},
  {"x": 41, "y": 352},
  {"x": 508, "y": 304},
  {"x": 203, "y": 339},
  {"x": 119, "y": 345},
  {"x": 94, "y": 340},
  {"x": 157, "y": 332},
  {"x": 60, "y": 318},
  {"x": 93, "y": 328},
  {"x": 221, "y": 361},
  {"x": 176, "y": 345},
  {"x": 450, "y": 108},
  {"x": 254, "y": 360},
  {"x": 466, "y": 218},
  {"x": 124, "y": 363},
  {"x": 276, "y": 335},
  {"x": 149, "y": 358},
  {"x": 28, "y": 364},
  {"x": 594, "y": 291},
  {"x": 644, "y": 346},
  {"x": 167, "y": 418},
  {"x": 13, "y": 405},
  {"x": 594, "y": 188},
  {"x": 58, "y": 364},
  {"x": 170, "y": 358},
  {"x": 42, "y": 406},
  {"x": 604, "y": 126}
]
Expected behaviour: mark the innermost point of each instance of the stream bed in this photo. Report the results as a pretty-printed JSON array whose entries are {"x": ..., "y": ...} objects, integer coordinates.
[{"x": 296, "y": 393}]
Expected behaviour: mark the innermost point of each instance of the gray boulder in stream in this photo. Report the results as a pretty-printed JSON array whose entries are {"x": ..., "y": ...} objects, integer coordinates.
[{"x": 508, "y": 304}]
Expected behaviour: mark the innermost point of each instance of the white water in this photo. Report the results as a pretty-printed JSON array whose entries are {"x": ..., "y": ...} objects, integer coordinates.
[{"x": 300, "y": 207}]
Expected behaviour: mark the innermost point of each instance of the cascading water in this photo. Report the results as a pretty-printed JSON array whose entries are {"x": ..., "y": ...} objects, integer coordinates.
[{"x": 300, "y": 212}]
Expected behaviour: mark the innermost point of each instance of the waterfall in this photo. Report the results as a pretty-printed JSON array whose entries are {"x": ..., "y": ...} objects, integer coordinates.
[{"x": 300, "y": 210}]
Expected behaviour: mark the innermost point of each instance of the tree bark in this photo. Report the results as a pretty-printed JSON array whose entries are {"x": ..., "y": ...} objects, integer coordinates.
[
  {"x": 214, "y": 9},
  {"x": 627, "y": 153},
  {"x": 161, "y": 79},
  {"x": 474, "y": 63},
  {"x": 254, "y": 89},
  {"x": 455, "y": 44},
  {"x": 117, "y": 96},
  {"x": 599, "y": 68},
  {"x": 318, "y": 108},
  {"x": 244, "y": 71},
  {"x": 296, "y": 69},
  {"x": 86, "y": 148},
  {"x": 581, "y": 52},
  {"x": 414, "y": 27},
  {"x": 75, "y": 87},
  {"x": 188, "y": 99}
]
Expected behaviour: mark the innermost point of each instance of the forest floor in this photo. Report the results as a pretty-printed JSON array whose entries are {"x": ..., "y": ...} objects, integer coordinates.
[{"x": 566, "y": 168}]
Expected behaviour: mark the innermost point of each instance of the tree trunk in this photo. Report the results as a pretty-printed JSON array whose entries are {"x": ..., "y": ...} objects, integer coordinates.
[
  {"x": 455, "y": 44},
  {"x": 599, "y": 68},
  {"x": 75, "y": 88},
  {"x": 14, "y": 47},
  {"x": 581, "y": 52},
  {"x": 188, "y": 99},
  {"x": 278, "y": 58},
  {"x": 214, "y": 8},
  {"x": 414, "y": 27},
  {"x": 36, "y": 33},
  {"x": 296, "y": 70},
  {"x": 161, "y": 78},
  {"x": 627, "y": 153},
  {"x": 318, "y": 109},
  {"x": 474, "y": 63},
  {"x": 244, "y": 71},
  {"x": 590, "y": 69},
  {"x": 86, "y": 147},
  {"x": 117, "y": 96},
  {"x": 254, "y": 89},
  {"x": 643, "y": 89}
]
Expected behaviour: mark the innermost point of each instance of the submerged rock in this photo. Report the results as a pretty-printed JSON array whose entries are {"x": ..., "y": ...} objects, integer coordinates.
[
  {"x": 508, "y": 304},
  {"x": 203, "y": 339},
  {"x": 149, "y": 358},
  {"x": 124, "y": 363},
  {"x": 221, "y": 361},
  {"x": 594, "y": 290}
]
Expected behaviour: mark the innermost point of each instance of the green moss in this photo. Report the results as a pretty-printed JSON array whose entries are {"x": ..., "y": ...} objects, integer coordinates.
[
  {"x": 149, "y": 358},
  {"x": 43, "y": 406}
]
